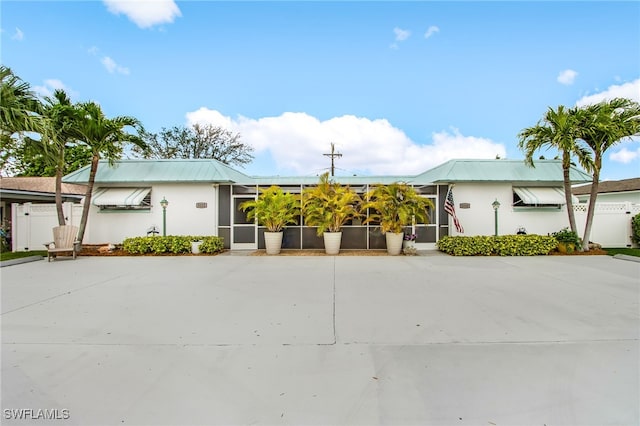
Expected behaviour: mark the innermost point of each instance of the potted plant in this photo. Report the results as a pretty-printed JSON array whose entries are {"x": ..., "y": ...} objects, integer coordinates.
[
  {"x": 274, "y": 209},
  {"x": 567, "y": 240},
  {"x": 195, "y": 244},
  {"x": 328, "y": 206},
  {"x": 409, "y": 241},
  {"x": 395, "y": 206}
]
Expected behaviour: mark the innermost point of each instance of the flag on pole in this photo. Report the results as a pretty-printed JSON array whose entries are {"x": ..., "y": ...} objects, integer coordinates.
[{"x": 450, "y": 207}]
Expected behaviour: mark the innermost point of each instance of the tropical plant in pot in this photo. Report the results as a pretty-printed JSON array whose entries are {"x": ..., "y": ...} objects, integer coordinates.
[
  {"x": 567, "y": 240},
  {"x": 328, "y": 206},
  {"x": 395, "y": 206},
  {"x": 273, "y": 209}
]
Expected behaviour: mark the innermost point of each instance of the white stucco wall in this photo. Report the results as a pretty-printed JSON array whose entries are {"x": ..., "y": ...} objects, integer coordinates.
[
  {"x": 479, "y": 219},
  {"x": 183, "y": 218}
]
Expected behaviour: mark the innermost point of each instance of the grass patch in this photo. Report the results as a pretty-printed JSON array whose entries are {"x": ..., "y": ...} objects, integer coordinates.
[
  {"x": 624, "y": 250},
  {"x": 9, "y": 255}
]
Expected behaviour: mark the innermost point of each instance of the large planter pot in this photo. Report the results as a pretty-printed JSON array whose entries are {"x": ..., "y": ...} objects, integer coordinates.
[
  {"x": 394, "y": 243},
  {"x": 332, "y": 242},
  {"x": 273, "y": 242},
  {"x": 566, "y": 248},
  {"x": 195, "y": 247}
]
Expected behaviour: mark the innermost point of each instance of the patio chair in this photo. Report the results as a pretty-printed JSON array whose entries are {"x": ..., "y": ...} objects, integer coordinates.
[{"x": 64, "y": 241}]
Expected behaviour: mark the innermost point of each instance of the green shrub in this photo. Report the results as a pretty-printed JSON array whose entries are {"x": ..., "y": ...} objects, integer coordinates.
[
  {"x": 567, "y": 236},
  {"x": 174, "y": 244},
  {"x": 635, "y": 227},
  {"x": 211, "y": 245},
  {"x": 503, "y": 245}
]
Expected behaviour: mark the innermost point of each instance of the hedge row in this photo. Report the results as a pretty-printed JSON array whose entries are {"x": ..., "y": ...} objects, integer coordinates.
[
  {"x": 171, "y": 244},
  {"x": 503, "y": 245}
]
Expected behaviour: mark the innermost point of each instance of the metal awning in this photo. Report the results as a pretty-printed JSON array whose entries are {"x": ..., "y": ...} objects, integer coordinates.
[
  {"x": 542, "y": 195},
  {"x": 119, "y": 196}
]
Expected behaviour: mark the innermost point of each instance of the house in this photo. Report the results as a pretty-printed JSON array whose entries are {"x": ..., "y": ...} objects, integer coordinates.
[
  {"x": 34, "y": 190},
  {"x": 611, "y": 191},
  {"x": 204, "y": 195}
]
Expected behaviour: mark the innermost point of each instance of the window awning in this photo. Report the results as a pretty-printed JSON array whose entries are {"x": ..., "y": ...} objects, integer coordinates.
[
  {"x": 542, "y": 195},
  {"x": 119, "y": 196}
]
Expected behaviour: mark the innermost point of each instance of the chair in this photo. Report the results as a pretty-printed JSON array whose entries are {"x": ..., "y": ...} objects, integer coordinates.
[{"x": 65, "y": 241}]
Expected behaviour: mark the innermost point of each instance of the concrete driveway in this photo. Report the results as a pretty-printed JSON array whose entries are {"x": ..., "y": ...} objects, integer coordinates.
[{"x": 241, "y": 340}]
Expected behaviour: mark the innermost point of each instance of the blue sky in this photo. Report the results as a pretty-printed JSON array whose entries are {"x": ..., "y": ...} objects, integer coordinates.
[{"x": 399, "y": 87}]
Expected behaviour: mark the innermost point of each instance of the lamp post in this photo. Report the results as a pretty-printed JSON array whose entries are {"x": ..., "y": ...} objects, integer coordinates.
[
  {"x": 164, "y": 203},
  {"x": 496, "y": 206}
]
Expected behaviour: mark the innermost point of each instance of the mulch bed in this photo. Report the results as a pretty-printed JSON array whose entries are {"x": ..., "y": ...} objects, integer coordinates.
[
  {"x": 309, "y": 252},
  {"x": 101, "y": 250},
  {"x": 592, "y": 252}
]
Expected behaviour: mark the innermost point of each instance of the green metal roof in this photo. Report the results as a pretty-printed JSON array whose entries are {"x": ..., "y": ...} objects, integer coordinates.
[
  {"x": 310, "y": 180},
  {"x": 140, "y": 171},
  {"x": 213, "y": 171},
  {"x": 544, "y": 171}
]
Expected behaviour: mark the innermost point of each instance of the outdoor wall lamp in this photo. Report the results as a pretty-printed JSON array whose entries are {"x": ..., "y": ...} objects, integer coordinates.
[
  {"x": 164, "y": 203},
  {"x": 496, "y": 206}
]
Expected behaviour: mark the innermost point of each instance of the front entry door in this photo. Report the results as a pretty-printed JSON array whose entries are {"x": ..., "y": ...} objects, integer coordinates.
[{"x": 243, "y": 231}]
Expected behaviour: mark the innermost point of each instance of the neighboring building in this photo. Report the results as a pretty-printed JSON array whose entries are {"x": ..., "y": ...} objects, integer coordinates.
[
  {"x": 611, "y": 191},
  {"x": 34, "y": 190},
  {"x": 204, "y": 196}
]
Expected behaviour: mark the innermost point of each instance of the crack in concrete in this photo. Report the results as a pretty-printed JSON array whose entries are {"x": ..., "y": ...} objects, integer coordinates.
[{"x": 66, "y": 293}]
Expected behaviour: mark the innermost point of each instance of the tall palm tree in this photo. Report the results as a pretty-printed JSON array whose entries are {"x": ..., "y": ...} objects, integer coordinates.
[
  {"x": 105, "y": 137},
  {"x": 601, "y": 126},
  {"x": 19, "y": 109},
  {"x": 57, "y": 127},
  {"x": 557, "y": 129}
]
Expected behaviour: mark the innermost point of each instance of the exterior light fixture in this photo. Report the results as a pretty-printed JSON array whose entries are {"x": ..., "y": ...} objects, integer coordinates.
[
  {"x": 496, "y": 206},
  {"x": 164, "y": 203}
]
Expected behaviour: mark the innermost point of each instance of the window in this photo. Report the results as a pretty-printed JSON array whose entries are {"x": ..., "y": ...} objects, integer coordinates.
[
  {"x": 122, "y": 198},
  {"x": 539, "y": 197}
]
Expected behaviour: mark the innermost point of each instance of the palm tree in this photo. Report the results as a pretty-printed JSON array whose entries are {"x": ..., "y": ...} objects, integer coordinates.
[
  {"x": 329, "y": 205},
  {"x": 601, "y": 126},
  {"x": 19, "y": 108},
  {"x": 57, "y": 123},
  {"x": 105, "y": 137},
  {"x": 395, "y": 206},
  {"x": 557, "y": 129}
]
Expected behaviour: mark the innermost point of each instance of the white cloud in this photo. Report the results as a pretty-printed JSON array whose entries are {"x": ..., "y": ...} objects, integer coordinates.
[
  {"x": 113, "y": 67},
  {"x": 296, "y": 142},
  {"x": 630, "y": 90},
  {"x": 18, "y": 35},
  {"x": 401, "y": 35},
  {"x": 52, "y": 84},
  {"x": 145, "y": 13},
  {"x": 567, "y": 77},
  {"x": 110, "y": 65},
  {"x": 624, "y": 155},
  {"x": 431, "y": 31}
]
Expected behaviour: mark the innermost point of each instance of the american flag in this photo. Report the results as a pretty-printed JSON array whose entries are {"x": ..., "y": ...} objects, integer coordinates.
[{"x": 449, "y": 207}]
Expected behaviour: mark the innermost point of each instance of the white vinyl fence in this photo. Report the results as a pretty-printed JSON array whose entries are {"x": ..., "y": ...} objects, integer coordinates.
[
  {"x": 611, "y": 223},
  {"x": 32, "y": 224}
]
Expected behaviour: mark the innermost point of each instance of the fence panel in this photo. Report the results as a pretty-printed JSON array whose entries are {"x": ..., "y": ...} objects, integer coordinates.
[
  {"x": 611, "y": 223},
  {"x": 32, "y": 224}
]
